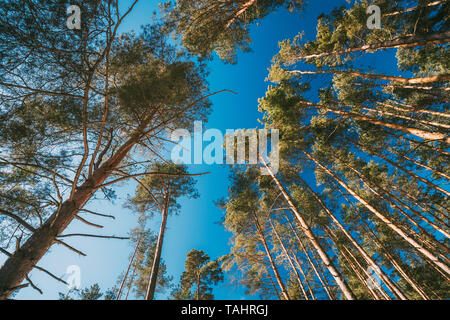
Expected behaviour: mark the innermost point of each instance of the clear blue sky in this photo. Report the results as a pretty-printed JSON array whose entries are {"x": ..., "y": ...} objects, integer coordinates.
[{"x": 196, "y": 226}]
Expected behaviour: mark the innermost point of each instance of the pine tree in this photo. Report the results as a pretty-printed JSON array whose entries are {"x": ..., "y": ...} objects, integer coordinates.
[
  {"x": 161, "y": 193},
  {"x": 74, "y": 111},
  {"x": 198, "y": 278}
]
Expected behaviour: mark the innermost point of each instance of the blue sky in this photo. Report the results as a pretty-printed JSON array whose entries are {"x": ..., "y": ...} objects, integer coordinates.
[{"x": 196, "y": 226}]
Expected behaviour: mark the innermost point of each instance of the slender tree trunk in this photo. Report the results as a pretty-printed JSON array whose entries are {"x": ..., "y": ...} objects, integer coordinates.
[
  {"x": 385, "y": 251},
  {"x": 389, "y": 223},
  {"x": 435, "y": 3},
  {"x": 299, "y": 266},
  {"x": 436, "y": 78},
  {"x": 414, "y": 131},
  {"x": 431, "y": 210},
  {"x": 425, "y": 122},
  {"x": 128, "y": 270},
  {"x": 401, "y": 168},
  {"x": 198, "y": 286},
  {"x": 323, "y": 255},
  {"x": 352, "y": 268},
  {"x": 369, "y": 260},
  {"x": 305, "y": 252},
  {"x": 130, "y": 283},
  {"x": 410, "y": 41},
  {"x": 269, "y": 255},
  {"x": 418, "y": 143},
  {"x": 415, "y": 110},
  {"x": 157, "y": 259},
  {"x": 369, "y": 279},
  {"x": 421, "y": 165},
  {"x": 288, "y": 257},
  {"x": 17, "y": 267},
  {"x": 365, "y": 181},
  {"x": 273, "y": 285},
  {"x": 240, "y": 11}
]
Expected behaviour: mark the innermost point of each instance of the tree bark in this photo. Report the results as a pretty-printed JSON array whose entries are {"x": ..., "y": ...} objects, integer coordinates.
[
  {"x": 401, "y": 168},
  {"x": 128, "y": 270},
  {"x": 157, "y": 259},
  {"x": 269, "y": 255},
  {"x": 435, "y": 78},
  {"x": 323, "y": 255},
  {"x": 385, "y": 251},
  {"x": 288, "y": 257},
  {"x": 417, "y": 132},
  {"x": 17, "y": 267},
  {"x": 435, "y": 260},
  {"x": 240, "y": 11},
  {"x": 435, "y": 3},
  {"x": 305, "y": 252},
  {"x": 369, "y": 260}
]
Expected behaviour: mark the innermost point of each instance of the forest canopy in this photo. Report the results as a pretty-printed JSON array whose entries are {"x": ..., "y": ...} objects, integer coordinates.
[{"x": 357, "y": 210}]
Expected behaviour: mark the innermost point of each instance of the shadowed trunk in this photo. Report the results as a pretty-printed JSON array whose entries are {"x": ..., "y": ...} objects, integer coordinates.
[{"x": 157, "y": 259}]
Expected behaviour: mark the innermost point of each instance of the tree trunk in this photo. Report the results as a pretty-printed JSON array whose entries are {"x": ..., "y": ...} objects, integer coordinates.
[
  {"x": 415, "y": 110},
  {"x": 240, "y": 11},
  {"x": 401, "y": 168},
  {"x": 299, "y": 266},
  {"x": 394, "y": 227},
  {"x": 369, "y": 260},
  {"x": 288, "y": 257},
  {"x": 384, "y": 250},
  {"x": 365, "y": 181},
  {"x": 305, "y": 252},
  {"x": 411, "y": 41},
  {"x": 417, "y": 132},
  {"x": 157, "y": 259},
  {"x": 17, "y": 267},
  {"x": 353, "y": 269},
  {"x": 128, "y": 270},
  {"x": 425, "y": 122},
  {"x": 269, "y": 255},
  {"x": 422, "y": 165},
  {"x": 198, "y": 285},
  {"x": 323, "y": 255},
  {"x": 130, "y": 283},
  {"x": 435, "y": 3},
  {"x": 435, "y": 78}
]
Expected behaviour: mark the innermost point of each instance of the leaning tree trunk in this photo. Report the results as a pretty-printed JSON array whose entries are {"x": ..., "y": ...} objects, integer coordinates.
[
  {"x": 411, "y": 41},
  {"x": 347, "y": 234},
  {"x": 430, "y": 79},
  {"x": 306, "y": 229},
  {"x": 435, "y": 260},
  {"x": 401, "y": 168},
  {"x": 305, "y": 252},
  {"x": 288, "y": 257},
  {"x": 435, "y": 3},
  {"x": 240, "y": 11},
  {"x": 17, "y": 267},
  {"x": 128, "y": 270},
  {"x": 269, "y": 256},
  {"x": 157, "y": 259},
  {"x": 385, "y": 251}
]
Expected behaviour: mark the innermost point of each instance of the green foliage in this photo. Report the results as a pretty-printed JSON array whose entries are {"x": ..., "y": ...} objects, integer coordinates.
[
  {"x": 207, "y": 26},
  {"x": 199, "y": 277}
]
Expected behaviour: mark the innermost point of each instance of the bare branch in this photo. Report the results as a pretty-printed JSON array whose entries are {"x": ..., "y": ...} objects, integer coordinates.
[{"x": 92, "y": 236}]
